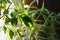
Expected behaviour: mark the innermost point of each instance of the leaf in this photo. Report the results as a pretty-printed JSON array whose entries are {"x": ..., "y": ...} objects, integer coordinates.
[
  {"x": 42, "y": 6},
  {"x": 46, "y": 11},
  {"x": 11, "y": 34},
  {"x": 3, "y": 6},
  {"x": 20, "y": 35},
  {"x": 19, "y": 19},
  {"x": 19, "y": 10},
  {"x": 30, "y": 25},
  {"x": 25, "y": 12},
  {"x": 5, "y": 12},
  {"x": 13, "y": 14},
  {"x": 18, "y": 31},
  {"x": 58, "y": 14},
  {"x": 44, "y": 16},
  {"x": 6, "y": 1},
  {"x": 4, "y": 29},
  {"x": 14, "y": 22},
  {"x": 6, "y": 19},
  {"x": 14, "y": 1},
  {"x": 27, "y": 20},
  {"x": 32, "y": 13},
  {"x": 21, "y": 1}
]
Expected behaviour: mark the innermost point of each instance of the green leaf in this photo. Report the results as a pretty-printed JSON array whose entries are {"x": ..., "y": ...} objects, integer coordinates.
[
  {"x": 46, "y": 11},
  {"x": 27, "y": 20},
  {"x": 21, "y": 1},
  {"x": 25, "y": 12},
  {"x": 11, "y": 34},
  {"x": 18, "y": 31},
  {"x": 6, "y": 1},
  {"x": 44, "y": 16},
  {"x": 58, "y": 14},
  {"x": 19, "y": 10},
  {"x": 14, "y": 1},
  {"x": 14, "y": 21},
  {"x": 3, "y": 6},
  {"x": 42, "y": 6},
  {"x": 6, "y": 19},
  {"x": 4, "y": 29},
  {"x": 13, "y": 14},
  {"x": 5, "y": 12},
  {"x": 19, "y": 19},
  {"x": 32, "y": 13},
  {"x": 20, "y": 35}
]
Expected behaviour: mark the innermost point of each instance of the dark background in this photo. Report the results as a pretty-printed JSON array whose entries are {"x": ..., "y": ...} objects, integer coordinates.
[{"x": 52, "y": 5}]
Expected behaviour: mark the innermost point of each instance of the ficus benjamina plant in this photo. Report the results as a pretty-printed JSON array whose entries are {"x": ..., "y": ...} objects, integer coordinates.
[{"x": 24, "y": 22}]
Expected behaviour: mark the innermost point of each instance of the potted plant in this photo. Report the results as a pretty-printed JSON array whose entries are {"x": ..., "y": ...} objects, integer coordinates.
[{"x": 24, "y": 24}]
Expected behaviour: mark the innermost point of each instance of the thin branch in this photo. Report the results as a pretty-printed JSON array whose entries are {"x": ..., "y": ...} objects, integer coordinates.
[
  {"x": 9, "y": 5},
  {"x": 0, "y": 10}
]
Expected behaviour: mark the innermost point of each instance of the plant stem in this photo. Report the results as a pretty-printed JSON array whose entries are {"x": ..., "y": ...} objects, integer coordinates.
[
  {"x": 31, "y": 4},
  {"x": 36, "y": 35}
]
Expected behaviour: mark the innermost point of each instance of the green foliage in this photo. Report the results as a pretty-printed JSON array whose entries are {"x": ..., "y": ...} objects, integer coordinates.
[
  {"x": 26, "y": 18},
  {"x": 3, "y": 6},
  {"x": 5, "y": 12},
  {"x": 13, "y": 14},
  {"x": 6, "y": 1},
  {"x": 14, "y": 21},
  {"x": 11, "y": 33},
  {"x": 6, "y": 19},
  {"x": 19, "y": 33},
  {"x": 4, "y": 29}
]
